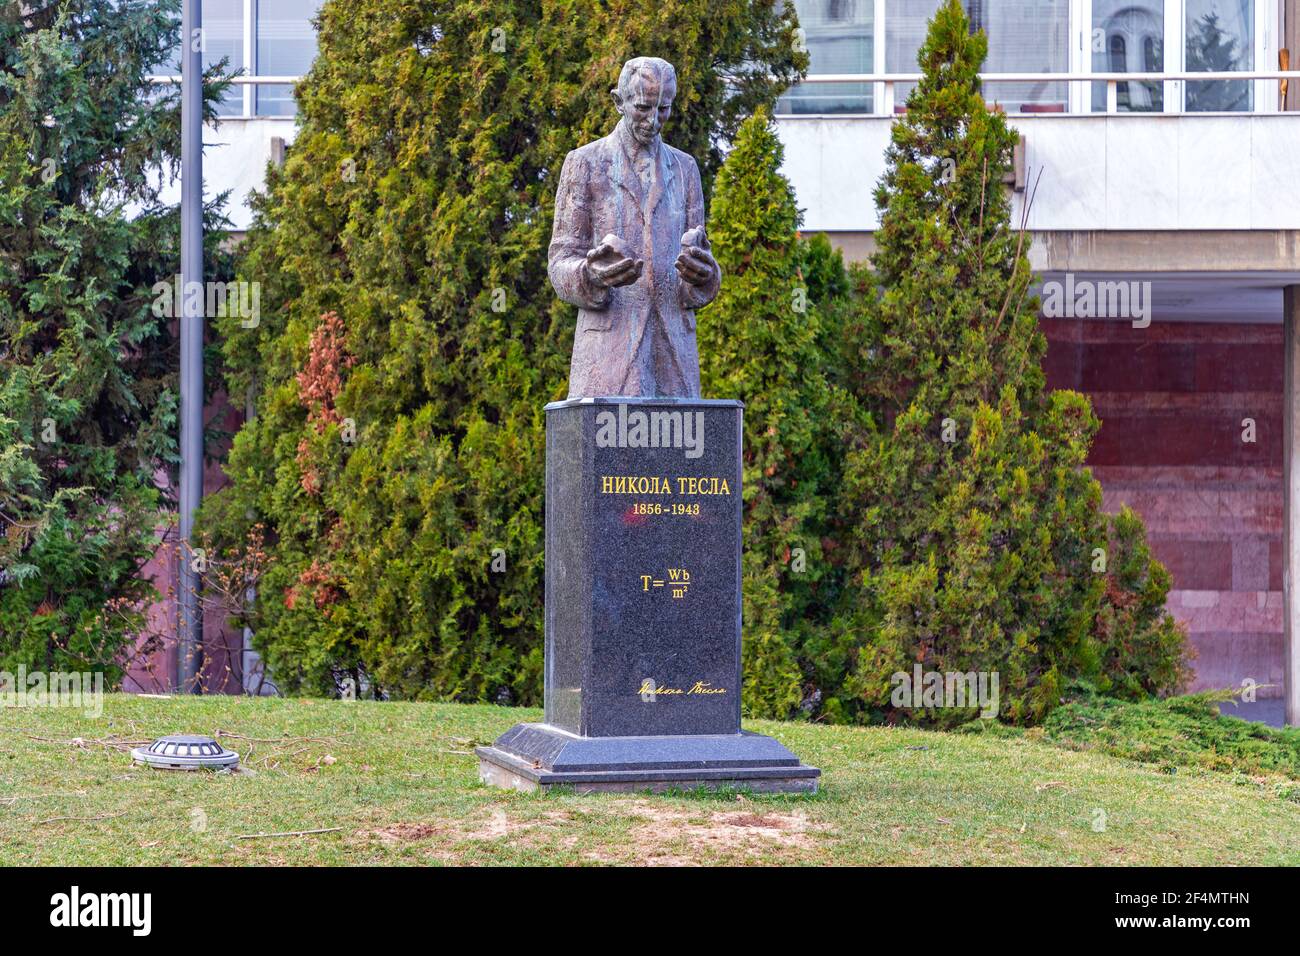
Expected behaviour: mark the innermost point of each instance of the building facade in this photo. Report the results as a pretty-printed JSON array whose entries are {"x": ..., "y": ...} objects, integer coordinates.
[
  {"x": 1181, "y": 191},
  {"x": 1160, "y": 144}
]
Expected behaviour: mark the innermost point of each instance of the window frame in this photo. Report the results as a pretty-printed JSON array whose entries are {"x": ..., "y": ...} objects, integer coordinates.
[
  {"x": 1079, "y": 62},
  {"x": 1265, "y": 19},
  {"x": 247, "y": 100},
  {"x": 250, "y": 57}
]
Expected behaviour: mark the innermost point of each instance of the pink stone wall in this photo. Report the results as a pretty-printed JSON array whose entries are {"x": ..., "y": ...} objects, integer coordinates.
[
  {"x": 1172, "y": 398},
  {"x": 154, "y": 673}
]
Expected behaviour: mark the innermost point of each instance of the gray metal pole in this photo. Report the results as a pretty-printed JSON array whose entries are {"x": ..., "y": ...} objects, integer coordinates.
[{"x": 189, "y": 617}]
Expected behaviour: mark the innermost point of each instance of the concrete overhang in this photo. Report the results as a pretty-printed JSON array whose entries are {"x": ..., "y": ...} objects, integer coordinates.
[
  {"x": 1216, "y": 251},
  {"x": 1195, "y": 276},
  {"x": 1135, "y": 174},
  {"x": 1207, "y": 251}
]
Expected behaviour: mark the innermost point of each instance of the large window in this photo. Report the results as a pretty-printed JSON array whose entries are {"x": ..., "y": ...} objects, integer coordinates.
[
  {"x": 1044, "y": 37},
  {"x": 286, "y": 45},
  {"x": 840, "y": 38},
  {"x": 258, "y": 38},
  {"x": 1025, "y": 36},
  {"x": 905, "y": 27},
  {"x": 1220, "y": 37},
  {"x": 1128, "y": 37},
  {"x": 223, "y": 39}
]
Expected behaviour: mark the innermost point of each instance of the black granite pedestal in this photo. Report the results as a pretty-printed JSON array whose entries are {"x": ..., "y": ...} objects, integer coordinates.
[{"x": 643, "y": 609}]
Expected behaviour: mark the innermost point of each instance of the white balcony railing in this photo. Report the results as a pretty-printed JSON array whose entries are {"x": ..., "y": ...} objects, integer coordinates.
[
  {"x": 242, "y": 80},
  {"x": 247, "y": 109},
  {"x": 884, "y": 100},
  {"x": 1268, "y": 88}
]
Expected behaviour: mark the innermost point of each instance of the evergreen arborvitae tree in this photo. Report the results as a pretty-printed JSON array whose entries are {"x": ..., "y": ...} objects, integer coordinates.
[
  {"x": 759, "y": 342},
  {"x": 972, "y": 528},
  {"x": 87, "y": 370},
  {"x": 397, "y": 457}
]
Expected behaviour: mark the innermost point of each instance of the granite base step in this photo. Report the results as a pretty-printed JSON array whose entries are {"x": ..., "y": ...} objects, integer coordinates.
[{"x": 538, "y": 756}]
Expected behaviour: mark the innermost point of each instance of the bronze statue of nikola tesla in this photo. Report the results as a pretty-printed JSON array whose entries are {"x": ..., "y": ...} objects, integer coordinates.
[
  {"x": 643, "y": 615},
  {"x": 629, "y": 249}
]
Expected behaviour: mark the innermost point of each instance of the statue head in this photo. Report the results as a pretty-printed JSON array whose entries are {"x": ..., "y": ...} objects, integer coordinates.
[{"x": 644, "y": 96}]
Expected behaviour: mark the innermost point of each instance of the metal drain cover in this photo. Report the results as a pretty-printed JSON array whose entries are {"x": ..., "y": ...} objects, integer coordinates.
[{"x": 185, "y": 752}]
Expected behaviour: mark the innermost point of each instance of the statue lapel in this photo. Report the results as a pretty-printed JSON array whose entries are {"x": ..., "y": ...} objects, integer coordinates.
[
  {"x": 625, "y": 175},
  {"x": 663, "y": 179}
]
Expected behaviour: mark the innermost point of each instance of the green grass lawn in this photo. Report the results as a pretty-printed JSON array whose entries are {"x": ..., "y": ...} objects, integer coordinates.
[{"x": 400, "y": 782}]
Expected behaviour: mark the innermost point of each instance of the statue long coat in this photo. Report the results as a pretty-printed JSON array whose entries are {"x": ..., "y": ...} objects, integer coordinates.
[{"x": 638, "y": 339}]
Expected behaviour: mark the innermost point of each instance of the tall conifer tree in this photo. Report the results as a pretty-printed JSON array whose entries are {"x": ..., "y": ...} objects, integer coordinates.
[
  {"x": 973, "y": 526},
  {"x": 398, "y": 454},
  {"x": 759, "y": 342},
  {"x": 87, "y": 368}
]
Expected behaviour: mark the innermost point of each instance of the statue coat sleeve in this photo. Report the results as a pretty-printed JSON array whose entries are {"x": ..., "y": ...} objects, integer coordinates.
[
  {"x": 690, "y": 296},
  {"x": 571, "y": 239}
]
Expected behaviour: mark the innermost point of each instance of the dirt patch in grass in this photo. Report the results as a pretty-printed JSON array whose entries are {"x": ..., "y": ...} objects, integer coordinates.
[
  {"x": 771, "y": 821},
  {"x": 786, "y": 829},
  {"x": 497, "y": 825},
  {"x": 402, "y": 832},
  {"x": 669, "y": 835}
]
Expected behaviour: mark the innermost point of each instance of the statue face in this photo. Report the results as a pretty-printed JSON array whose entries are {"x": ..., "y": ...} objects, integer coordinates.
[{"x": 647, "y": 107}]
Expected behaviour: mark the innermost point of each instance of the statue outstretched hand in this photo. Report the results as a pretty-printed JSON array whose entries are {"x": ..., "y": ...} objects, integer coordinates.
[
  {"x": 696, "y": 264},
  {"x": 613, "y": 264}
]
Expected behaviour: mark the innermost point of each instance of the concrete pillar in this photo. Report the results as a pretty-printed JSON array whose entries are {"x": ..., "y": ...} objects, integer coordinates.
[{"x": 1291, "y": 504}]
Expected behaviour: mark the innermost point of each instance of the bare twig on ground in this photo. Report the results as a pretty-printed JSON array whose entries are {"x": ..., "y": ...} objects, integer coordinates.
[
  {"x": 288, "y": 833},
  {"x": 102, "y": 816},
  {"x": 81, "y": 742}
]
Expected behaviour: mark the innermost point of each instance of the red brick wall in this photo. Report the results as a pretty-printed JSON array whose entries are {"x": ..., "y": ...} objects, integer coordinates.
[{"x": 1172, "y": 398}]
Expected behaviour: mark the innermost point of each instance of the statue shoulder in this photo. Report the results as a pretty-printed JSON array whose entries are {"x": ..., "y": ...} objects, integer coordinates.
[
  {"x": 682, "y": 155},
  {"x": 583, "y": 156},
  {"x": 684, "y": 159}
]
